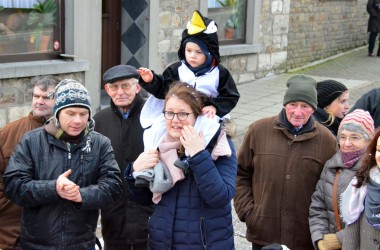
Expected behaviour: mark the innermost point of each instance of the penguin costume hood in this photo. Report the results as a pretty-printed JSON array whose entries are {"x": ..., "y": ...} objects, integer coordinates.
[{"x": 203, "y": 29}]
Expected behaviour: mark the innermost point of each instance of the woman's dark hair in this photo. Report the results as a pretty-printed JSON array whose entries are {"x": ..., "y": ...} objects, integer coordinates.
[
  {"x": 369, "y": 161},
  {"x": 189, "y": 95}
]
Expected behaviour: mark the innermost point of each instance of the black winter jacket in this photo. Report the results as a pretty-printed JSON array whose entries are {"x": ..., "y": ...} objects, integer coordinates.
[
  {"x": 50, "y": 222},
  {"x": 125, "y": 222},
  {"x": 370, "y": 102}
]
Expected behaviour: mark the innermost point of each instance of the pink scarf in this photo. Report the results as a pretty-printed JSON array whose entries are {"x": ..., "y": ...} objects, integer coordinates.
[{"x": 168, "y": 155}]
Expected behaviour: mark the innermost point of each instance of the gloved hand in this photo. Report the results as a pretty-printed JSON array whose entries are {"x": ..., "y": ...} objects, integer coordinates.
[
  {"x": 321, "y": 245},
  {"x": 331, "y": 242}
]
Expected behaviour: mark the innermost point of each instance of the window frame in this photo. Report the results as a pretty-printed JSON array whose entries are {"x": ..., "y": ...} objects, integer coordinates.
[
  {"x": 252, "y": 30},
  {"x": 234, "y": 41},
  {"x": 48, "y": 55}
]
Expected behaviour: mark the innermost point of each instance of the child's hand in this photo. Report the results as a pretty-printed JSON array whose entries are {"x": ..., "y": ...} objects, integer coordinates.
[
  {"x": 145, "y": 74},
  {"x": 209, "y": 111},
  {"x": 147, "y": 159},
  {"x": 192, "y": 141}
]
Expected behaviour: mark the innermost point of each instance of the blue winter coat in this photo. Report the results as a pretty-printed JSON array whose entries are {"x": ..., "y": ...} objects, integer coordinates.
[{"x": 196, "y": 212}]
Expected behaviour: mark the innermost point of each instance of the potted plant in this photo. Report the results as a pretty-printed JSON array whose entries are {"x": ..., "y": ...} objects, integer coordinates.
[
  {"x": 41, "y": 20},
  {"x": 234, "y": 19}
]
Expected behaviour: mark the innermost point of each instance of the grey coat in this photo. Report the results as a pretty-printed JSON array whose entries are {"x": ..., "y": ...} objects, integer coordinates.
[
  {"x": 321, "y": 218},
  {"x": 361, "y": 235}
]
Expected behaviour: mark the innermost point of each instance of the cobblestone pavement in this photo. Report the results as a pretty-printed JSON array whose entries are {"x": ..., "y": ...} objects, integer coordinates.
[{"x": 263, "y": 98}]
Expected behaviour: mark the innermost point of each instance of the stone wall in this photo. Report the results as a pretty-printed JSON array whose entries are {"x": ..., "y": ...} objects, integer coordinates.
[
  {"x": 16, "y": 96},
  {"x": 292, "y": 34},
  {"x": 321, "y": 29}
]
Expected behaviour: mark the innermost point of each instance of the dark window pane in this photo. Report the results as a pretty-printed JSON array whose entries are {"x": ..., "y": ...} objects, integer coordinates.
[{"x": 30, "y": 29}]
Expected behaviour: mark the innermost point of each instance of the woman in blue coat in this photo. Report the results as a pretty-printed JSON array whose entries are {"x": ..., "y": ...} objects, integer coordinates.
[{"x": 195, "y": 213}]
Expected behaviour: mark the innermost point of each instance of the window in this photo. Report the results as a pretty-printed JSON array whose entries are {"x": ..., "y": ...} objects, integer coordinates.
[
  {"x": 230, "y": 15},
  {"x": 31, "y": 30}
]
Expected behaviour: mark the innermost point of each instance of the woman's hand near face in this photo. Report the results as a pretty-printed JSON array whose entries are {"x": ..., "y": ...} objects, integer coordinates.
[
  {"x": 147, "y": 159},
  {"x": 191, "y": 140}
]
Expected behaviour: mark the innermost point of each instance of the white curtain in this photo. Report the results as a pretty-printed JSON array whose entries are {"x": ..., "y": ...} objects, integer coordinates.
[{"x": 18, "y": 3}]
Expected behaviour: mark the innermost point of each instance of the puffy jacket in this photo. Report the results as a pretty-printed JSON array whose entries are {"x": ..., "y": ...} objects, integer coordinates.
[
  {"x": 10, "y": 213},
  {"x": 196, "y": 212},
  {"x": 322, "y": 219},
  {"x": 277, "y": 175},
  {"x": 125, "y": 221},
  {"x": 48, "y": 221}
]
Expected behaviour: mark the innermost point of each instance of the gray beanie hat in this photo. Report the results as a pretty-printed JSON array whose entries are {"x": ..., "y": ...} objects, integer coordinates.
[{"x": 301, "y": 88}]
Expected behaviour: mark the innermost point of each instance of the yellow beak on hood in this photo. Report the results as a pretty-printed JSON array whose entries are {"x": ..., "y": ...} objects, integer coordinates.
[{"x": 196, "y": 24}]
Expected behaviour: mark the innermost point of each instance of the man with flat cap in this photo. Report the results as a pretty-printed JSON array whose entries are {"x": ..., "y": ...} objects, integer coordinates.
[{"x": 124, "y": 223}]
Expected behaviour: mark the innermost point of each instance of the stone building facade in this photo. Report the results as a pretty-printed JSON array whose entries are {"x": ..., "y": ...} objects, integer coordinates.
[
  {"x": 286, "y": 34},
  {"x": 280, "y": 35}
]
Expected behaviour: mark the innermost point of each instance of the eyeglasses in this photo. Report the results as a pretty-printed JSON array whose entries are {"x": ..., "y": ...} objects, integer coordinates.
[
  {"x": 124, "y": 86},
  {"x": 352, "y": 139},
  {"x": 169, "y": 115}
]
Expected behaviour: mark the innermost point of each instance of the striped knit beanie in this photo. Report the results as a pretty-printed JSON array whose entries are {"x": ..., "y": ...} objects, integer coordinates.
[{"x": 358, "y": 121}]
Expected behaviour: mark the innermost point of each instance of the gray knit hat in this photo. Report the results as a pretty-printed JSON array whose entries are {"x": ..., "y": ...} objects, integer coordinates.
[{"x": 301, "y": 88}]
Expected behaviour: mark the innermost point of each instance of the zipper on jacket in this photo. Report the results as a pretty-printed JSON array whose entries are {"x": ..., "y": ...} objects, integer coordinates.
[
  {"x": 69, "y": 149},
  {"x": 63, "y": 238},
  {"x": 202, "y": 229}
]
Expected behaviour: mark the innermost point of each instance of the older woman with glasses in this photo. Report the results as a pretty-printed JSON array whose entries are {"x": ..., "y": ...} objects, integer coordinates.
[
  {"x": 326, "y": 226},
  {"x": 194, "y": 178},
  {"x": 361, "y": 202}
]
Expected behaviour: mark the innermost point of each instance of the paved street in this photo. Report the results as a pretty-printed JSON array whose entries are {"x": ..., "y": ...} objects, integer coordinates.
[{"x": 263, "y": 97}]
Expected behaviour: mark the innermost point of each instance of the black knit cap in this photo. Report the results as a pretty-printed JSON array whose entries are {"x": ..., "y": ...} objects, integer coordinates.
[{"x": 328, "y": 91}]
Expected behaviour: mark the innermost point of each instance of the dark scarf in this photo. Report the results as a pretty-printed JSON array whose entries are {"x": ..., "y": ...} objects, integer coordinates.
[
  {"x": 201, "y": 70},
  {"x": 308, "y": 126},
  {"x": 372, "y": 204},
  {"x": 350, "y": 158}
]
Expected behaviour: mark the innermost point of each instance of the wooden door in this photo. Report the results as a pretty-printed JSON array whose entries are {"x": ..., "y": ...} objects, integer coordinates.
[{"x": 111, "y": 24}]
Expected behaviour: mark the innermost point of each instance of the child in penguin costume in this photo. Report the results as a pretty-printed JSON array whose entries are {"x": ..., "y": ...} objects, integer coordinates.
[{"x": 199, "y": 67}]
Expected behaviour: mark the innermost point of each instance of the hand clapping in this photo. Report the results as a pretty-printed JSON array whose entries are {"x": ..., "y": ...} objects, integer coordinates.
[{"x": 67, "y": 189}]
